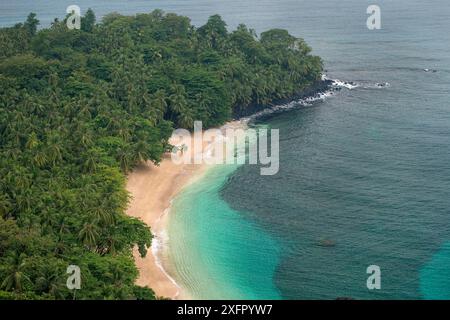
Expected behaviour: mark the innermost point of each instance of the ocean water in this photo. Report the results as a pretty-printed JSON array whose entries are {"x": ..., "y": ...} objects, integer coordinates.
[
  {"x": 215, "y": 251},
  {"x": 435, "y": 276},
  {"x": 367, "y": 169}
]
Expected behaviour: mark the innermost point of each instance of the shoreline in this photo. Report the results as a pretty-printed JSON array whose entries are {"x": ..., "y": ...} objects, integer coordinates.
[{"x": 152, "y": 189}]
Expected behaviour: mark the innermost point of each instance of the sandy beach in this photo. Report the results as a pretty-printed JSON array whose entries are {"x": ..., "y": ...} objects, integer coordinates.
[{"x": 152, "y": 188}]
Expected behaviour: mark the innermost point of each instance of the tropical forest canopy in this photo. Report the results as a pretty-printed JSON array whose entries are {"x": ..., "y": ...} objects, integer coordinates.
[{"x": 80, "y": 108}]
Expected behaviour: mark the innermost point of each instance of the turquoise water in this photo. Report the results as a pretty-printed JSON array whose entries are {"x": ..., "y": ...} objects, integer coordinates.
[
  {"x": 368, "y": 169},
  {"x": 435, "y": 275},
  {"x": 217, "y": 253}
]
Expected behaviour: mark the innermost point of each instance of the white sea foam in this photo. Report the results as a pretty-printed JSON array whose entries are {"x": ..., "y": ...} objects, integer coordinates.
[
  {"x": 295, "y": 103},
  {"x": 353, "y": 84},
  {"x": 378, "y": 85},
  {"x": 340, "y": 83},
  {"x": 344, "y": 84},
  {"x": 159, "y": 242},
  {"x": 335, "y": 86}
]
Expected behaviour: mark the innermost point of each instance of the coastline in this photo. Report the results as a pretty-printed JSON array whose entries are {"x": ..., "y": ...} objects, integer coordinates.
[{"x": 152, "y": 189}]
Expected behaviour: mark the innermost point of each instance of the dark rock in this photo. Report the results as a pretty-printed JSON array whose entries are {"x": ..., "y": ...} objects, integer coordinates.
[
  {"x": 327, "y": 243},
  {"x": 314, "y": 90}
]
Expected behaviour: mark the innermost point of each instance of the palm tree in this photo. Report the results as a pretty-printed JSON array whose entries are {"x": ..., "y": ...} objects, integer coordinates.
[
  {"x": 63, "y": 228},
  {"x": 203, "y": 102},
  {"x": 179, "y": 107},
  {"x": 40, "y": 159},
  {"x": 140, "y": 152},
  {"x": 47, "y": 220},
  {"x": 56, "y": 289},
  {"x": 124, "y": 159},
  {"x": 21, "y": 180},
  {"x": 159, "y": 103},
  {"x": 214, "y": 31},
  {"x": 54, "y": 148},
  {"x": 89, "y": 235},
  {"x": 32, "y": 142},
  {"x": 24, "y": 199},
  {"x": 5, "y": 205},
  {"x": 178, "y": 99},
  {"x": 90, "y": 164},
  {"x": 102, "y": 214},
  {"x": 16, "y": 277},
  {"x": 185, "y": 119},
  {"x": 51, "y": 282},
  {"x": 54, "y": 24},
  {"x": 261, "y": 89},
  {"x": 111, "y": 244},
  {"x": 124, "y": 132},
  {"x": 242, "y": 93}
]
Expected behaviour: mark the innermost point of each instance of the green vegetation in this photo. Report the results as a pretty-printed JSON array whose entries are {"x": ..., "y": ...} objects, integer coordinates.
[{"x": 80, "y": 108}]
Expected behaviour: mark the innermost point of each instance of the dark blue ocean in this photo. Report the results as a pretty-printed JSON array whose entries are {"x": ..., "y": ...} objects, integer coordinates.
[{"x": 367, "y": 170}]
